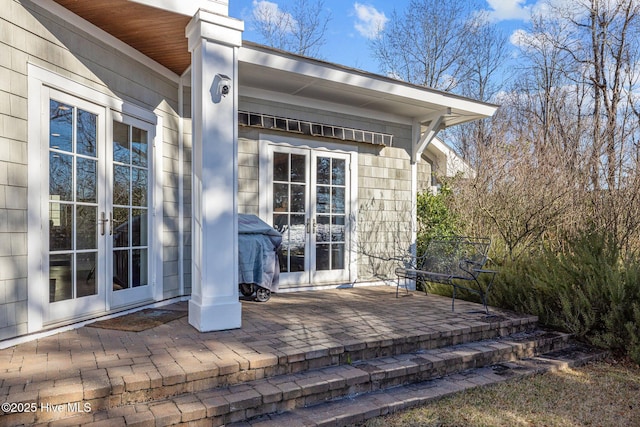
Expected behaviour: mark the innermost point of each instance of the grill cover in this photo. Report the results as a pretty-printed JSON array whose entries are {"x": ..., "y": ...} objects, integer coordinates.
[{"x": 258, "y": 244}]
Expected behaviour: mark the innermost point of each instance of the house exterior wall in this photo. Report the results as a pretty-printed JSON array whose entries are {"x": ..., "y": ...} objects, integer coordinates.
[
  {"x": 383, "y": 215},
  {"x": 29, "y": 34},
  {"x": 424, "y": 175}
]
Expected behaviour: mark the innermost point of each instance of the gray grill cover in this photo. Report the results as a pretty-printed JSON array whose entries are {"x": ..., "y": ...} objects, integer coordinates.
[{"x": 258, "y": 244}]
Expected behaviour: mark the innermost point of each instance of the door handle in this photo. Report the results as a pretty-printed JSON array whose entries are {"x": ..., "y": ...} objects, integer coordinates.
[
  {"x": 311, "y": 226},
  {"x": 111, "y": 226},
  {"x": 103, "y": 223}
]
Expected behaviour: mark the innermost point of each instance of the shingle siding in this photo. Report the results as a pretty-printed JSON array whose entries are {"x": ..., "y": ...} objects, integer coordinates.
[{"x": 30, "y": 34}]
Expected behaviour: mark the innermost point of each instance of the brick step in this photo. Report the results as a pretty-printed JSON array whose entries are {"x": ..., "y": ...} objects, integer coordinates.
[
  {"x": 117, "y": 385},
  {"x": 289, "y": 392},
  {"x": 355, "y": 410}
]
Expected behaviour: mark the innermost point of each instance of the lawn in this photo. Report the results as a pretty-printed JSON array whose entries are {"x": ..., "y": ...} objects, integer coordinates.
[{"x": 599, "y": 394}]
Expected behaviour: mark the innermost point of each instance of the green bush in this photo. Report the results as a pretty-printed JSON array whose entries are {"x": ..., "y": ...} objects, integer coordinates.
[
  {"x": 590, "y": 290},
  {"x": 435, "y": 218}
]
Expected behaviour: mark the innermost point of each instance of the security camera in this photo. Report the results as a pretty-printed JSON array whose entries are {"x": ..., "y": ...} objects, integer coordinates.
[{"x": 224, "y": 84}]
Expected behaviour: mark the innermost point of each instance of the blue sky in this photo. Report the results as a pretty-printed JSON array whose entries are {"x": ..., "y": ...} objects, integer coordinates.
[{"x": 353, "y": 23}]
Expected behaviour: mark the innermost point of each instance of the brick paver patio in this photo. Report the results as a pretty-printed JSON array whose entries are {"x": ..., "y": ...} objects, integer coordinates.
[{"x": 109, "y": 367}]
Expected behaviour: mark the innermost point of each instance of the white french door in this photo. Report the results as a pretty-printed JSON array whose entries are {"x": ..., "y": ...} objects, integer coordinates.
[
  {"x": 310, "y": 199},
  {"x": 128, "y": 202},
  {"x": 97, "y": 209},
  {"x": 75, "y": 200}
]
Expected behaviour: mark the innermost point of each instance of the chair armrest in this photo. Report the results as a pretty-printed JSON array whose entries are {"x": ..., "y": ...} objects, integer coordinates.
[{"x": 484, "y": 270}]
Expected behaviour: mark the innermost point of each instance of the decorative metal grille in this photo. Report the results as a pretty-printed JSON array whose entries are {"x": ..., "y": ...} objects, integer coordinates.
[{"x": 266, "y": 121}]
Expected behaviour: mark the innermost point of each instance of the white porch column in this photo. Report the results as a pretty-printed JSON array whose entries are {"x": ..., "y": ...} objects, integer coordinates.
[{"x": 214, "y": 41}]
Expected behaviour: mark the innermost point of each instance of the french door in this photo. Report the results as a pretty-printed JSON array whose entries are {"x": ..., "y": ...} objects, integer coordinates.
[
  {"x": 310, "y": 206},
  {"x": 97, "y": 209}
]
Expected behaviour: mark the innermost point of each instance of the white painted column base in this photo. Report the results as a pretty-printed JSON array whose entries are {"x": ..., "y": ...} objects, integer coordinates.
[{"x": 218, "y": 316}]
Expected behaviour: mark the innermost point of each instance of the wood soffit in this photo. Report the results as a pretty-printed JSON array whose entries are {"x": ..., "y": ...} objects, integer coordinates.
[{"x": 156, "y": 33}]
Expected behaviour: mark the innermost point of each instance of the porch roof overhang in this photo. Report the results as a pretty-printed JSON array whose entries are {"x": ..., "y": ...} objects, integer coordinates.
[
  {"x": 273, "y": 70},
  {"x": 156, "y": 28}
]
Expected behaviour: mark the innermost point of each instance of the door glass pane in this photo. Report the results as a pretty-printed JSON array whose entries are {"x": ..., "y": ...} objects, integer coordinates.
[
  {"x": 121, "y": 146},
  {"x": 323, "y": 261},
  {"x": 281, "y": 223},
  {"x": 120, "y": 227},
  {"x": 337, "y": 228},
  {"x": 60, "y": 226},
  {"x": 120, "y": 269},
  {"x": 86, "y": 274},
  {"x": 86, "y": 227},
  {"x": 280, "y": 167},
  {"x": 139, "y": 186},
  {"x": 139, "y": 227},
  {"x": 60, "y": 176},
  {"x": 322, "y": 199},
  {"x": 87, "y": 133},
  {"x": 338, "y": 172},
  {"x": 281, "y": 197},
  {"x": 60, "y": 126},
  {"x": 323, "y": 165},
  {"x": 337, "y": 256},
  {"x": 139, "y": 267},
  {"x": 87, "y": 180},
  {"x": 337, "y": 200},
  {"x": 298, "y": 198},
  {"x": 60, "y": 278},
  {"x": 139, "y": 146},
  {"x": 297, "y": 242},
  {"x": 121, "y": 184},
  {"x": 323, "y": 229},
  {"x": 298, "y": 168}
]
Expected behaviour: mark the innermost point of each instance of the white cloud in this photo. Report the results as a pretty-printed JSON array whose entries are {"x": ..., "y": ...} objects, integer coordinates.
[
  {"x": 270, "y": 13},
  {"x": 369, "y": 21},
  {"x": 521, "y": 38},
  {"x": 503, "y": 10}
]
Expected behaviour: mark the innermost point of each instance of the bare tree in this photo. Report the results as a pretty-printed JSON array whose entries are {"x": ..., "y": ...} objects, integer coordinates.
[
  {"x": 485, "y": 56},
  {"x": 297, "y": 27},
  {"x": 426, "y": 44},
  {"x": 562, "y": 156},
  {"x": 604, "y": 42}
]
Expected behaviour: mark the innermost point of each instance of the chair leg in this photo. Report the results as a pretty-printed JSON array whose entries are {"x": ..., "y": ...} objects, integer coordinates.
[{"x": 453, "y": 299}]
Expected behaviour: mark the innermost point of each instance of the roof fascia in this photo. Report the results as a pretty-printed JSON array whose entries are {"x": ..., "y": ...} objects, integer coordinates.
[{"x": 188, "y": 7}]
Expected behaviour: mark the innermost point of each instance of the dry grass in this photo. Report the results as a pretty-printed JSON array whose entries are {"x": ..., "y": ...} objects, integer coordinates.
[{"x": 600, "y": 394}]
